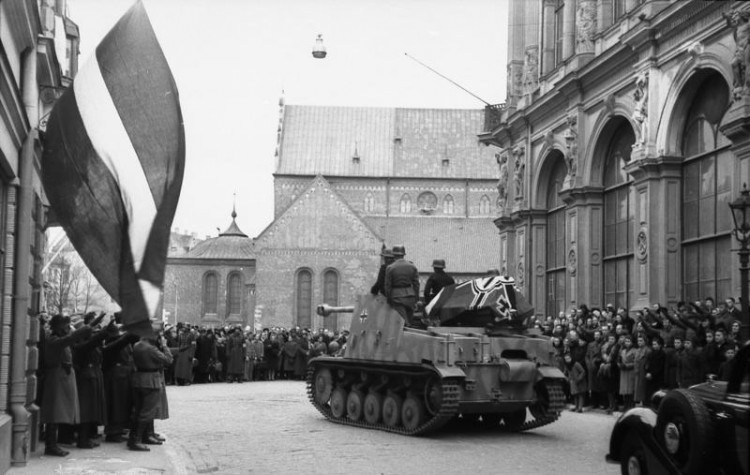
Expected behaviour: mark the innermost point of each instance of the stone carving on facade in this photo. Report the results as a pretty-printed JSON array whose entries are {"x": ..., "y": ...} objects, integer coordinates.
[
  {"x": 520, "y": 169},
  {"x": 502, "y": 182},
  {"x": 640, "y": 112},
  {"x": 571, "y": 141},
  {"x": 695, "y": 49},
  {"x": 585, "y": 26},
  {"x": 572, "y": 262},
  {"x": 739, "y": 21},
  {"x": 641, "y": 245},
  {"x": 531, "y": 69}
]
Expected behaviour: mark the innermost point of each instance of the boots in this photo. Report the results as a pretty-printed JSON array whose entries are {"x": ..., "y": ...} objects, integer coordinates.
[
  {"x": 149, "y": 437},
  {"x": 135, "y": 436},
  {"x": 84, "y": 440},
  {"x": 50, "y": 442}
]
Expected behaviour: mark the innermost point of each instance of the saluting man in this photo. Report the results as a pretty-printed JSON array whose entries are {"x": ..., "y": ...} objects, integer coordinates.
[
  {"x": 148, "y": 384},
  {"x": 437, "y": 280},
  {"x": 402, "y": 285}
]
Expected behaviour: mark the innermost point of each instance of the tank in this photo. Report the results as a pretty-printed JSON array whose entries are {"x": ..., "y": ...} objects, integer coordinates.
[{"x": 476, "y": 364}]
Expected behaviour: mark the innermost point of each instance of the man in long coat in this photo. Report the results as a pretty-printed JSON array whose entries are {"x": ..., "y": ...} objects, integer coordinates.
[
  {"x": 183, "y": 369},
  {"x": 236, "y": 354},
  {"x": 148, "y": 385},
  {"x": 87, "y": 361},
  {"x": 60, "y": 399},
  {"x": 117, "y": 366}
]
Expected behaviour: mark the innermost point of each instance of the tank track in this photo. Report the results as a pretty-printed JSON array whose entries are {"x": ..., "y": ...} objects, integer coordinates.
[
  {"x": 448, "y": 408},
  {"x": 556, "y": 406}
]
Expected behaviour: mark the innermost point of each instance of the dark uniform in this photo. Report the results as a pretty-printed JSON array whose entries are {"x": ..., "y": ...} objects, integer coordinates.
[
  {"x": 402, "y": 285},
  {"x": 436, "y": 281},
  {"x": 148, "y": 384},
  {"x": 379, "y": 287},
  {"x": 87, "y": 361},
  {"x": 118, "y": 368}
]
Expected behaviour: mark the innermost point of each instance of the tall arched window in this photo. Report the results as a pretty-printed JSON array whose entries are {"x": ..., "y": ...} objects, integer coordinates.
[
  {"x": 405, "y": 203},
  {"x": 304, "y": 298},
  {"x": 556, "y": 262},
  {"x": 484, "y": 205},
  {"x": 234, "y": 293},
  {"x": 448, "y": 204},
  {"x": 210, "y": 293},
  {"x": 619, "y": 219},
  {"x": 369, "y": 203},
  {"x": 331, "y": 296},
  {"x": 706, "y": 192}
]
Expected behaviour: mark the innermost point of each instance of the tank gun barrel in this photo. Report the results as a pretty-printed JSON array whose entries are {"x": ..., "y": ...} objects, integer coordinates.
[{"x": 326, "y": 310}]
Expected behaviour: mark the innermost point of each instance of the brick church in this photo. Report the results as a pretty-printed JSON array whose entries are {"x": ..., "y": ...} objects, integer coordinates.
[{"x": 348, "y": 181}]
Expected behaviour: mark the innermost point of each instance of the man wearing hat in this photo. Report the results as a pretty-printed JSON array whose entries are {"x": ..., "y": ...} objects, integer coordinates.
[
  {"x": 402, "y": 285},
  {"x": 437, "y": 280},
  {"x": 60, "y": 399},
  {"x": 379, "y": 287}
]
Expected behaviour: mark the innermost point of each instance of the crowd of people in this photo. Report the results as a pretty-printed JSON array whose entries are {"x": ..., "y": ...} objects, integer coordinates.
[
  {"x": 614, "y": 360},
  {"x": 233, "y": 354}
]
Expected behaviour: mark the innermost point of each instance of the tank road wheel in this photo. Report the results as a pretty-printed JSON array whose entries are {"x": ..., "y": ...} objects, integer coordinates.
[
  {"x": 372, "y": 408},
  {"x": 392, "y": 410},
  {"x": 412, "y": 413},
  {"x": 354, "y": 405},
  {"x": 514, "y": 420},
  {"x": 322, "y": 385},
  {"x": 433, "y": 396},
  {"x": 338, "y": 402}
]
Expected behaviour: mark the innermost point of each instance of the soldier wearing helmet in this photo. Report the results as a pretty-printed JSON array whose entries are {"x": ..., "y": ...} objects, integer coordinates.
[
  {"x": 379, "y": 287},
  {"x": 436, "y": 281},
  {"x": 402, "y": 285}
]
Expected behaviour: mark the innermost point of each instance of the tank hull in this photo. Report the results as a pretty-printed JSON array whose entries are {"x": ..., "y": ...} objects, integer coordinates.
[{"x": 412, "y": 381}]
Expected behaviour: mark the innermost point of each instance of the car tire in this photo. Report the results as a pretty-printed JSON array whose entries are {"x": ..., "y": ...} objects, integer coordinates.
[
  {"x": 684, "y": 429},
  {"x": 633, "y": 457}
]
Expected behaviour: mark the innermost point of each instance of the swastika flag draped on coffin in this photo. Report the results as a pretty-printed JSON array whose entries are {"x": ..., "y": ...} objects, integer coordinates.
[{"x": 113, "y": 162}]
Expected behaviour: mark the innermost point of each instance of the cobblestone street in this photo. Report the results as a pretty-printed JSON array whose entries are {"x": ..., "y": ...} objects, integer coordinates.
[{"x": 270, "y": 427}]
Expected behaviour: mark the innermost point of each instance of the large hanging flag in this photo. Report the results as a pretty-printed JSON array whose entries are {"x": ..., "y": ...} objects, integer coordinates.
[{"x": 114, "y": 157}]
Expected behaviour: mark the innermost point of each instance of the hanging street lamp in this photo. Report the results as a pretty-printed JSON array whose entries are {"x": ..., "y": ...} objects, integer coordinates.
[
  {"x": 741, "y": 215},
  {"x": 319, "y": 50}
]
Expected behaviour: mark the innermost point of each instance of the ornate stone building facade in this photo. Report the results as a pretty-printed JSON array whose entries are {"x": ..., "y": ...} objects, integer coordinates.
[
  {"x": 349, "y": 180},
  {"x": 625, "y": 135},
  {"x": 38, "y": 59}
]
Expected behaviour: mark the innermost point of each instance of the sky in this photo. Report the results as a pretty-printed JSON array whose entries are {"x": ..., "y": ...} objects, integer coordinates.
[{"x": 232, "y": 59}]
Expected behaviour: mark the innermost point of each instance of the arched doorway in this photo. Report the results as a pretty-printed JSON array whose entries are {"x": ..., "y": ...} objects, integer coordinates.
[
  {"x": 618, "y": 218},
  {"x": 707, "y": 169},
  {"x": 556, "y": 268}
]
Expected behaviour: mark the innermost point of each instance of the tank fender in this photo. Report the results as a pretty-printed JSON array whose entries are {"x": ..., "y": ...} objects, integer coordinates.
[
  {"x": 450, "y": 372},
  {"x": 549, "y": 372}
]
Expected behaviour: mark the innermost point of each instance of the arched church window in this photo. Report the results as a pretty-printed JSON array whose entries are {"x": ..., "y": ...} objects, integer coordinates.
[
  {"x": 405, "y": 206},
  {"x": 331, "y": 296},
  {"x": 304, "y": 298},
  {"x": 234, "y": 293},
  {"x": 448, "y": 204},
  {"x": 210, "y": 293},
  {"x": 484, "y": 205},
  {"x": 369, "y": 203}
]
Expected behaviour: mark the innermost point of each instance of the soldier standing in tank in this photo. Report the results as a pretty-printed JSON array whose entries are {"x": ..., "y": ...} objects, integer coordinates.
[
  {"x": 437, "y": 280},
  {"x": 402, "y": 285},
  {"x": 379, "y": 287}
]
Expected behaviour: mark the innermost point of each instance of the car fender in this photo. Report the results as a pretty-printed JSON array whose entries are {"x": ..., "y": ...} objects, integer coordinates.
[{"x": 642, "y": 422}]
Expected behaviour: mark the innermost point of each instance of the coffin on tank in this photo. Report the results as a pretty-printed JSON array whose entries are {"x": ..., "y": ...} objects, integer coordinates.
[{"x": 475, "y": 362}]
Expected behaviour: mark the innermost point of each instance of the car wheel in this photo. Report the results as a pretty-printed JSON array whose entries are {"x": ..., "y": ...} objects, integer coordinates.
[
  {"x": 633, "y": 457},
  {"x": 685, "y": 431}
]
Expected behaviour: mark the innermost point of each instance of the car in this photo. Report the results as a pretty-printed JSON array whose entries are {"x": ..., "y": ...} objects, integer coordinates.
[{"x": 695, "y": 431}]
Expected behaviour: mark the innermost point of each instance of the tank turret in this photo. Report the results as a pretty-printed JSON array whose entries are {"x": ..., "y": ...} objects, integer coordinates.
[{"x": 467, "y": 365}]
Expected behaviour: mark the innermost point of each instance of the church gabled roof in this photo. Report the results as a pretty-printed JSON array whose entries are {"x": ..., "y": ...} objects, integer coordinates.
[
  {"x": 232, "y": 244},
  {"x": 383, "y": 142},
  {"x": 319, "y": 219}
]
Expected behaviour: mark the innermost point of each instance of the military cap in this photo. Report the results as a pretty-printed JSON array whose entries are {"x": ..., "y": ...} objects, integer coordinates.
[
  {"x": 399, "y": 251},
  {"x": 438, "y": 263},
  {"x": 386, "y": 253}
]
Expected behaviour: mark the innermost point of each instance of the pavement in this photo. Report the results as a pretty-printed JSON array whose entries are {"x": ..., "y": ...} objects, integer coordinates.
[{"x": 108, "y": 458}]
